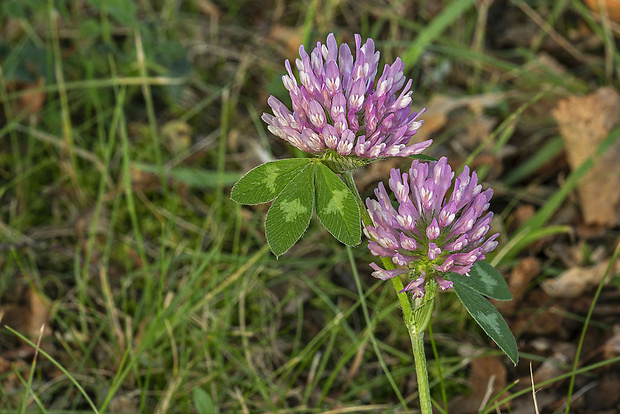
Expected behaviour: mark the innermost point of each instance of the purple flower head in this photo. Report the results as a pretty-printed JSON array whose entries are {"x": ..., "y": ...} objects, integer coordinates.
[
  {"x": 341, "y": 108},
  {"x": 439, "y": 225}
]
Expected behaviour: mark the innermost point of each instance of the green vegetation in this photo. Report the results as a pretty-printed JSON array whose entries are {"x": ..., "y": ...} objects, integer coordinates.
[{"x": 123, "y": 126}]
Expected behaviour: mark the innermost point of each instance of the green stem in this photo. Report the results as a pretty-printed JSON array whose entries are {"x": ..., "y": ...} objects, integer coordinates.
[
  {"x": 416, "y": 320},
  {"x": 442, "y": 386},
  {"x": 419, "y": 357},
  {"x": 420, "y": 319},
  {"x": 347, "y": 177}
]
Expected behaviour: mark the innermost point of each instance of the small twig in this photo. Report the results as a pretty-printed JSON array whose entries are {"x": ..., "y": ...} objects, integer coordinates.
[
  {"x": 533, "y": 390},
  {"x": 488, "y": 392},
  {"x": 34, "y": 364}
]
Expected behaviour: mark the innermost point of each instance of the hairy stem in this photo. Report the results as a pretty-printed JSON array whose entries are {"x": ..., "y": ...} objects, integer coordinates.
[
  {"x": 416, "y": 320},
  {"x": 347, "y": 177},
  {"x": 419, "y": 357}
]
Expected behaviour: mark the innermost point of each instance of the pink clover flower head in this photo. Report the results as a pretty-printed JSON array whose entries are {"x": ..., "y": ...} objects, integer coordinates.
[
  {"x": 438, "y": 224},
  {"x": 339, "y": 104}
]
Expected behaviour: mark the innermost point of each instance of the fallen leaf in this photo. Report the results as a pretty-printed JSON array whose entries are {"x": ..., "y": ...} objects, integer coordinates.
[
  {"x": 612, "y": 8},
  {"x": 39, "y": 314},
  {"x": 548, "y": 322},
  {"x": 486, "y": 379},
  {"x": 5, "y": 365},
  {"x": 32, "y": 96},
  {"x": 440, "y": 106},
  {"x": 177, "y": 136},
  {"x": 611, "y": 348},
  {"x": 519, "y": 279},
  {"x": 123, "y": 404},
  {"x": 584, "y": 123},
  {"x": 28, "y": 315},
  {"x": 525, "y": 404},
  {"x": 575, "y": 281},
  {"x": 543, "y": 72},
  {"x": 290, "y": 37},
  {"x": 207, "y": 8},
  {"x": 605, "y": 395},
  {"x": 553, "y": 366},
  {"x": 590, "y": 231},
  {"x": 478, "y": 130},
  {"x": 142, "y": 180},
  {"x": 536, "y": 317},
  {"x": 521, "y": 214}
]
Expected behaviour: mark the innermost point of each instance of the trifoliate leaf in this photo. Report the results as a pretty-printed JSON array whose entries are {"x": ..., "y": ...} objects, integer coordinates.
[
  {"x": 336, "y": 207},
  {"x": 265, "y": 182},
  {"x": 485, "y": 279},
  {"x": 289, "y": 215},
  {"x": 489, "y": 319}
]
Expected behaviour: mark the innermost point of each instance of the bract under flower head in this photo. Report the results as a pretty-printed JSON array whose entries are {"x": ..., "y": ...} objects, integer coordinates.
[
  {"x": 430, "y": 232},
  {"x": 338, "y": 104}
]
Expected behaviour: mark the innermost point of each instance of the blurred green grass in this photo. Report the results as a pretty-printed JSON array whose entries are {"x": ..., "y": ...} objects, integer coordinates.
[{"x": 161, "y": 292}]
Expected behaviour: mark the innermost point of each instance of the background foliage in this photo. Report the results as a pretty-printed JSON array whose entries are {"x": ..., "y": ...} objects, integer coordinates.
[{"x": 124, "y": 125}]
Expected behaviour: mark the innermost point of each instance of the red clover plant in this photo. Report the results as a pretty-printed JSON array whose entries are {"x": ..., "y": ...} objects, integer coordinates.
[
  {"x": 433, "y": 231},
  {"x": 338, "y": 107},
  {"x": 429, "y": 233}
]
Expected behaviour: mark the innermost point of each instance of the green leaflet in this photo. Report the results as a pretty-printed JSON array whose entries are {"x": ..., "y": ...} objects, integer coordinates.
[
  {"x": 265, "y": 182},
  {"x": 336, "y": 207},
  {"x": 203, "y": 402},
  {"x": 484, "y": 279},
  {"x": 489, "y": 319},
  {"x": 289, "y": 215},
  {"x": 192, "y": 177},
  {"x": 422, "y": 157}
]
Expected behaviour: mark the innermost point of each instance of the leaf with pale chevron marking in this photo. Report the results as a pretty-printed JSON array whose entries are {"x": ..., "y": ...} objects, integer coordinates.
[
  {"x": 484, "y": 279},
  {"x": 289, "y": 215},
  {"x": 489, "y": 319},
  {"x": 336, "y": 207},
  {"x": 265, "y": 182}
]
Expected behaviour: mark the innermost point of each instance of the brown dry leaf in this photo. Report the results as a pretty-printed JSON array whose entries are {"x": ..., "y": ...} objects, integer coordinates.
[
  {"x": 5, "y": 365},
  {"x": 519, "y": 280},
  {"x": 487, "y": 379},
  {"x": 177, "y": 136},
  {"x": 605, "y": 395},
  {"x": 612, "y": 7},
  {"x": 553, "y": 366},
  {"x": 538, "y": 318},
  {"x": 521, "y": 214},
  {"x": 39, "y": 314},
  {"x": 522, "y": 275},
  {"x": 440, "y": 107},
  {"x": 525, "y": 403},
  {"x": 548, "y": 322},
  {"x": 143, "y": 180},
  {"x": 32, "y": 98},
  {"x": 207, "y": 8},
  {"x": 478, "y": 130},
  {"x": 576, "y": 281},
  {"x": 123, "y": 404},
  {"x": 544, "y": 63},
  {"x": 584, "y": 123},
  {"x": 290, "y": 37},
  {"x": 28, "y": 316},
  {"x": 611, "y": 348},
  {"x": 541, "y": 70}
]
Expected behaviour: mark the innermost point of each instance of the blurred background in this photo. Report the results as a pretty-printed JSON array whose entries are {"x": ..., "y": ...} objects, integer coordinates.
[{"x": 129, "y": 282}]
